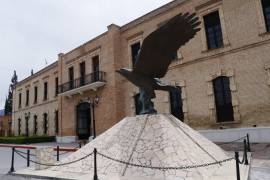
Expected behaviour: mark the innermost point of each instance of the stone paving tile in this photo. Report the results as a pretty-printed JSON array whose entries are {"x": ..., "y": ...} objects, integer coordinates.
[{"x": 259, "y": 173}]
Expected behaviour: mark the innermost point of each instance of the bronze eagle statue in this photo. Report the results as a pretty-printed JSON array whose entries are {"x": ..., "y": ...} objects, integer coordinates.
[{"x": 155, "y": 56}]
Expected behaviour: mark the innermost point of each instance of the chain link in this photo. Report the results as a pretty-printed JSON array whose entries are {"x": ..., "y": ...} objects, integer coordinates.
[
  {"x": 25, "y": 153},
  {"x": 17, "y": 152},
  {"x": 233, "y": 141},
  {"x": 60, "y": 154},
  {"x": 165, "y": 168},
  {"x": 130, "y": 164}
]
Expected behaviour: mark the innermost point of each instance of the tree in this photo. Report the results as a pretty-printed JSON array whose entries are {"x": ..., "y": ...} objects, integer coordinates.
[{"x": 8, "y": 103}]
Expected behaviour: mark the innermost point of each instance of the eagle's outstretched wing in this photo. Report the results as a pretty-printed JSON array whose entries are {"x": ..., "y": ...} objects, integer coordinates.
[{"x": 157, "y": 49}]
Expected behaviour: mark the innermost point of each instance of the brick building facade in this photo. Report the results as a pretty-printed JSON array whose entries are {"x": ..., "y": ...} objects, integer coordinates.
[{"x": 223, "y": 74}]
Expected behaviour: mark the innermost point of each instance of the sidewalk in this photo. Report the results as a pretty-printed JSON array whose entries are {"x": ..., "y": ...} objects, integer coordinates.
[
  {"x": 260, "y": 169},
  {"x": 5, "y": 156}
]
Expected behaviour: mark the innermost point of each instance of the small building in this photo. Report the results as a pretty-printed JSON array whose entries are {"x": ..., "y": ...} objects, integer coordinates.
[
  {"x": 223, "y": 74},
  {"x": 5, "y": 125}
]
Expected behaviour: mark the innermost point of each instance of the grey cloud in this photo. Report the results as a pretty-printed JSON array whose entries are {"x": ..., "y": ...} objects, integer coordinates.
[{"x": 34, "y": 30}]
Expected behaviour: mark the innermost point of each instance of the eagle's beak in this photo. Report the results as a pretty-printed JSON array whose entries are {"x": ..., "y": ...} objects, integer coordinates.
[{"x": 118, "y": 71}]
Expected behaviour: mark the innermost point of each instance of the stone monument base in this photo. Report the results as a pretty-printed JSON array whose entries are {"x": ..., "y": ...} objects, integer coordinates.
[{"x": 136, "y": 147}]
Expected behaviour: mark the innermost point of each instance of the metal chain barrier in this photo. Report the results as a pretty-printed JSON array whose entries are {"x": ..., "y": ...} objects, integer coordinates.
[
  {"x": 63, "y": 153},
  {"x": 25, "y": 153},
  {"x": 129, "y": 164},
  {"x": 165, "y": 168},
  {"x": 244, "y": 137},
  {"x": 63, "y": 164}
]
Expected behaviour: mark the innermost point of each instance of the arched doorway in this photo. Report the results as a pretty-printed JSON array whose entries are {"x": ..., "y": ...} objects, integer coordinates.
[
  {"x": 223, "y": 99},
  {"x": 83, "y": 120}
]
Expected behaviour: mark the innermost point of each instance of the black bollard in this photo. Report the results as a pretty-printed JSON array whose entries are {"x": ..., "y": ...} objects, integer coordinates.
[
  {"x": 248, "y": 144},
  {"x": 95, "y": 164},
  {"x": 28, "y": 157},
  {"x": 12, "y": 161},
  {"x": 245, "y": 152},
  {"x": 57, "y": 153},
  {"x": 237, "y": 165}
]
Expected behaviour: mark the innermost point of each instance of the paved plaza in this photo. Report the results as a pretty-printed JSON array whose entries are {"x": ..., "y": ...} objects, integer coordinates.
[{"x": 260, "y": 169}]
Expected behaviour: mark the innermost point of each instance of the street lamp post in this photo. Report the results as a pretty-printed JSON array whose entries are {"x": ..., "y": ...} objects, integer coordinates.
[{"x": 27, "y": 115}]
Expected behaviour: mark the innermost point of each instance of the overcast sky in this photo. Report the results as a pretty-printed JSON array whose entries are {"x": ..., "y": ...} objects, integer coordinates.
[{"x": 34, "y": 30}]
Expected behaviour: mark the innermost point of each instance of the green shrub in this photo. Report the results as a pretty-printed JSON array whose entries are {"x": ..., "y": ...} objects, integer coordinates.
[{"x": 25, "y": 140}]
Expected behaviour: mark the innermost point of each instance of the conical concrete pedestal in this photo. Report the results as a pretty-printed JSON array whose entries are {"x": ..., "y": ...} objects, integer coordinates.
[{"x": 149, "y": 140}]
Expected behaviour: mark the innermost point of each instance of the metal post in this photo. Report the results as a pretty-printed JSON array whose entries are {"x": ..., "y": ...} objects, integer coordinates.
[
  {"x": 94, "y": 121},
  {"x": 95, "y": 164},
  {"x": 248, "y": 144},
  {"x": 245, "y": 152},
  {"x": 57, "y": 153},
  {"x": 12, "y": 161},
  {"x": 28, "y": 157},
  {"x": 237, "y": 165}
]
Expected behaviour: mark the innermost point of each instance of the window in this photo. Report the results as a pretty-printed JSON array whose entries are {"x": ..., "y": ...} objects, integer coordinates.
[
  {"x": 56, "y": 122},
  {"x": 9, "y": 127},
  {"x": 56, "y": 86},
  {"x": 35, "y": 125},
  {"x": 71, "y": 77},
  {"x": 27, "y": 98},
  {"x": 19, "y": 126},
  {"x": 82, "y": 73},
  {"x": 266, "y": 12},
  {"x": 26, "y": 126},
  {"x": 213, "y": 30},
  {"x": 35, "y": 94},
  {"x": 135, "y": 48},
  {"x": 45, "y": 97},
  {"x": 223, "y": 99},
  {"x": 20, "y": 100},
  {"x": 138, "y": 104},
  {"x": 45, "y": 123},
  {"x": 95, "y": 65},
  {"x": 176, "y": 103}
]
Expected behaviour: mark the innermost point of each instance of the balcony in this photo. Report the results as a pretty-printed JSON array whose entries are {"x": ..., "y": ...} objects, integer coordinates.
[{"x": 88, "y": 82}]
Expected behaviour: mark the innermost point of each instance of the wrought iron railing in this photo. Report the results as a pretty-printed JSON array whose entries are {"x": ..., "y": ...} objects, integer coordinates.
[{"x": 97, "y": 76}]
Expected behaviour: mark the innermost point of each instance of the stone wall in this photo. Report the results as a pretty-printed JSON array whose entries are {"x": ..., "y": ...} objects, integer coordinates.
[
  {"x": 243, "y": 59},
  {"x": 49, "y": 106}
]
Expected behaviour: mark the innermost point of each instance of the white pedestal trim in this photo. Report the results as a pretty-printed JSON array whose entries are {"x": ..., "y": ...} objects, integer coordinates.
[{"x": 256, "y": 134}]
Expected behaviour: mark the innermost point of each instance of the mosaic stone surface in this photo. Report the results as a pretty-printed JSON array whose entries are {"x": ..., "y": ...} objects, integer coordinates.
[
  {"x": 149, "y": 140},
  {"x": 44, "y": 155}
]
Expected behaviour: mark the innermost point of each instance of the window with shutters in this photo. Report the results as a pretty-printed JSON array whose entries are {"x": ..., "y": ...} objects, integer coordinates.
[
  {"x": 266, "y": 12},
  {"x": 213, "y": 30},
  {"x": 135, "y": 48},
  {"x": 223, "y": 99}
]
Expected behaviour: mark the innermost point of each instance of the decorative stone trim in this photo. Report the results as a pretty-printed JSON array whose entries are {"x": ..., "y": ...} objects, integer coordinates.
[
  {"x": 216, "y": 5},
  {"x": 210, "y": 93},
  {"x": 90, "y": 52}
]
